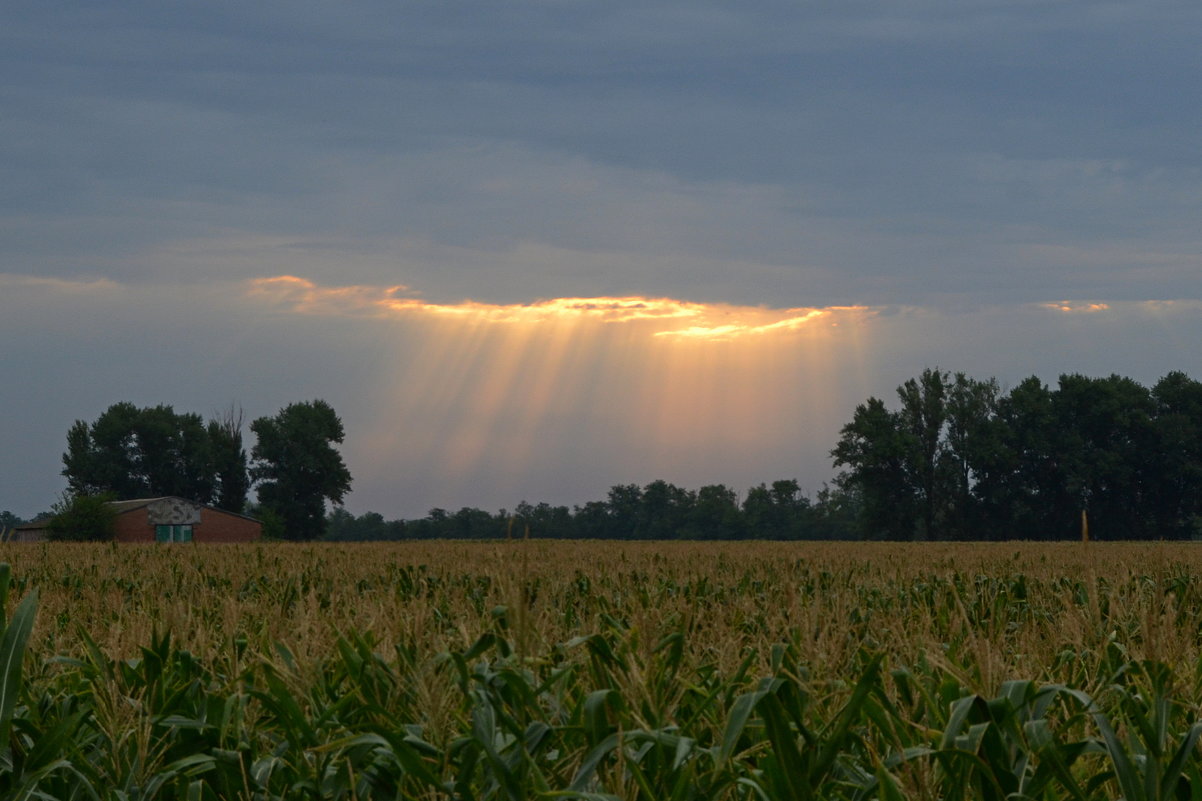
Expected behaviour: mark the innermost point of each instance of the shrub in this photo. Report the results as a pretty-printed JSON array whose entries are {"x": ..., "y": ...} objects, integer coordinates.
[{"x": 83, "y": 518}]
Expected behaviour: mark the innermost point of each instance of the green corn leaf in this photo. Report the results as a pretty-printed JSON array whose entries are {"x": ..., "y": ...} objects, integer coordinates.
[
  {"x": 888, "y": 788},
  {"x": 1174, "y": 773},
  {"x": 785, "y": 767},
  {"x": 835, "y": 738},
  {"x": 588, "y": 766},
  {"x": 740, "y": 713},
  {"x": 1124, "y": 769},
  {"x": 12, "y": 654},
  {"x": 596, "y": 720},
  {"x": 962, "y": 708},
  {"x": 65, "y": 736},
  {"x": 6, "y": 576}
]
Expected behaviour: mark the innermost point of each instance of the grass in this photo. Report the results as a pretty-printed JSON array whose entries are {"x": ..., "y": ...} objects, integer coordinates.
[{"x": 534, "y": 669}]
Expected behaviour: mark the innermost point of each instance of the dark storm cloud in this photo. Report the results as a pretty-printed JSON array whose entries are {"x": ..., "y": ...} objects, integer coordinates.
[{"x": 869, "y": 152}]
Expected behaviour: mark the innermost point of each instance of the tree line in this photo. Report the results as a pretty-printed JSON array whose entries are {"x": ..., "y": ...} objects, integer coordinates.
[
  {"x": 657, "y": 511},
  {"x": 954, "y": 458},
  {"x": 131, "y": 452}
]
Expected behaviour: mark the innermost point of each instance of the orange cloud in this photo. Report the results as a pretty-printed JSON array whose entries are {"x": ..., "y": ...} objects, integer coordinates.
[
  {"x": 669, "y": 317},
  {"x": 1076, "y": 306}
]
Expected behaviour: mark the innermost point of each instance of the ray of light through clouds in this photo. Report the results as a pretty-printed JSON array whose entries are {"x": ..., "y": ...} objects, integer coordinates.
[
  {"x": 657, "y": 385},
  {"x": 694, "y": 235}
]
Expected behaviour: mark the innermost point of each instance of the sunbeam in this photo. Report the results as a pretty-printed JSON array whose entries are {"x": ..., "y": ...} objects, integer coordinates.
[{"x": 660, "y": 381}]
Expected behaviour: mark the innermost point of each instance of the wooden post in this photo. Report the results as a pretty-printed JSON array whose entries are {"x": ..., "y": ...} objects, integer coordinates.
[{"x": 1084, "y": 526}]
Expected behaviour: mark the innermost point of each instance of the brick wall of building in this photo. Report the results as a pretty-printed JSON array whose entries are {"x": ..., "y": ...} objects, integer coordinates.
[
  {"x": 218, "y": 526},
  {"x": 133, "y": 526}
]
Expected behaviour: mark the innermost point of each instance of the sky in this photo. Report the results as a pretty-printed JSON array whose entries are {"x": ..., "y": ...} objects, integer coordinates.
[{"x": 531, "y": 250}]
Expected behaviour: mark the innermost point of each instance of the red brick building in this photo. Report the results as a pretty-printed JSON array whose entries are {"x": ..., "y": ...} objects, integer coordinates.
[
  {"x": 168, "y": 519},
  {"x": 173, "y": 519}
]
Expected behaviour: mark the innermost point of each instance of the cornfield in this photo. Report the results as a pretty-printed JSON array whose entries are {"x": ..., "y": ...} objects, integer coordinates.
[{"x": 569, "y": 670}]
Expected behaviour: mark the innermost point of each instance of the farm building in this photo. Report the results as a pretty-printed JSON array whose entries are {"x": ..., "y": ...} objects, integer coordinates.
[
  {"x": 169, "y": 519},
  {"x": 173, "y": 519},
  {"x": 28, "y": 532}
]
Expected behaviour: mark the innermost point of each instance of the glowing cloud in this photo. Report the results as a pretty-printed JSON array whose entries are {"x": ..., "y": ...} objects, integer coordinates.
[
  {"x": 669, "y": 317},
  {"x": 1076, "y": 306}
]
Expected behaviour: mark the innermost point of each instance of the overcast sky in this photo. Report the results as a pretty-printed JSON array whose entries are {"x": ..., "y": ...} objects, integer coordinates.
[{"x": 385, "y": 205}]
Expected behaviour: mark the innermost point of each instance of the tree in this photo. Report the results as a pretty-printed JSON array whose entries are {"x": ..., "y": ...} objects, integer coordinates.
[
  {"x": 625, "y": 511},
  {"x": 297, "y": 467},
  {"x": 716, "y": 514},
  {"x": 229, "y": 460},
  {"x": 875, "y": 449},
  {"x": 1176, "y": 486},
  {"x": 779, "y": 512},
  {"x": 1109, "y": 453},
  {"x": 173, "y": 454},
  {"x": 105, "y": 456},
  {"x": 83, "y": 518},
  {"x": 971, "y": 411},
  {"x": 593, "y": 521},
  {"x": 666, "y": 509},
  {"x": 836, "y": 513},
  {"x": 921, "y": 419},
  {"x": 1018, "y": 466}
]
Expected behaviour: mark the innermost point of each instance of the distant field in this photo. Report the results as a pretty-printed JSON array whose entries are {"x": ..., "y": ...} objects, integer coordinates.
[{"x": 619, "y": 669}]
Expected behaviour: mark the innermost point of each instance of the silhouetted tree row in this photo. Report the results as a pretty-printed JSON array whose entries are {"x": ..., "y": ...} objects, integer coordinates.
[
  {"x": 131, "y": 452},
  {"x": 959, "y": 459},
  {"x": 658, "y": 511}
]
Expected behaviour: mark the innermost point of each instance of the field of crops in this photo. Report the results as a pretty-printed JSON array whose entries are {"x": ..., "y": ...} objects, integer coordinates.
[{"x": 590, "y": 670}]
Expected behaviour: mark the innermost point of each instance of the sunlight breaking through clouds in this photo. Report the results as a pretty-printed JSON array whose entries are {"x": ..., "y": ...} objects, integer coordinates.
[
  {"x": 670, "y": 317},
  {"x": 503, "y": 390},
  {"x": 487, "y": 403}
]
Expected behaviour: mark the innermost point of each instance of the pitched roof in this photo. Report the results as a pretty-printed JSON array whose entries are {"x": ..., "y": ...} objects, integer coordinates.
[
  {"x": 121, "y": 507},
  {"x": 136, "y": 503}
]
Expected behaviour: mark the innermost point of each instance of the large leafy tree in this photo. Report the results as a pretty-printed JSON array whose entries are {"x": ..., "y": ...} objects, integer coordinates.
[
  {"x": 969, "y": 439},
  {"x": 297, "y": 468},
  {"x": 1176, "y": 482},
  {"x": 105, "y": 456},
  {"x": 1108, "y": 453},
  {"x": 921, "y": 419},
  {"x": 914, "y": 466},
  {"x": 1017, "y": 459},
  {"x": 131, "y": 452},
  {"x": 876, "y": 450},
  {"x": 174, "y": 454}
]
